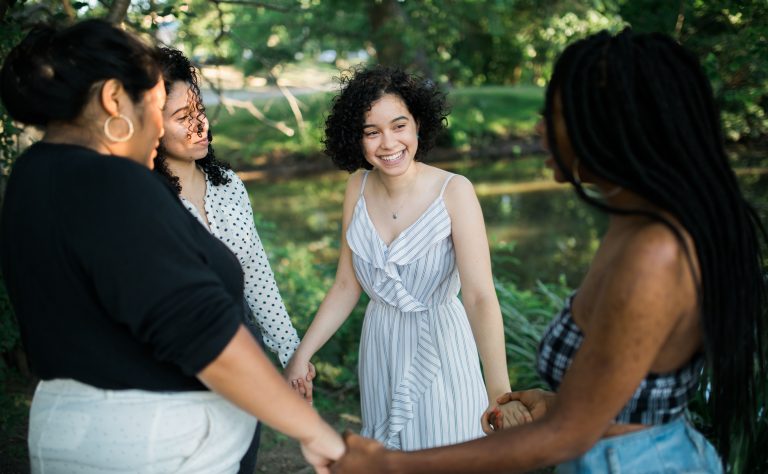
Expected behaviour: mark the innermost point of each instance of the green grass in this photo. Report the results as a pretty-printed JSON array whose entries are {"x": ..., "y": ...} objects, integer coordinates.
[
  {"x": 243, "y": 140},
  {"x": 480, "y": 116}
]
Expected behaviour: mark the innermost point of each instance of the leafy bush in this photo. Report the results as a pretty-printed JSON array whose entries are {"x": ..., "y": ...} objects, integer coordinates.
[{"x": 527, "y": 314}]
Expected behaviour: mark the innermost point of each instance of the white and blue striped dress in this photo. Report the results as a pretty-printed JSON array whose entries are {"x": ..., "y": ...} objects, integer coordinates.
[{"x": 420, "y": 379}]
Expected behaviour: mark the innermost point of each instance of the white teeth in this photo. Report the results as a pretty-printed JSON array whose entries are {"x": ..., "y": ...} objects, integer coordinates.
[{"x": 391, "y": 157}]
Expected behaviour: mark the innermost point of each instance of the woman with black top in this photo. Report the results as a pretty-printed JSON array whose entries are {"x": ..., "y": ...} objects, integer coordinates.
[
  {"x": 677, "y": 283},
  {"x": 129, "y": 309}
]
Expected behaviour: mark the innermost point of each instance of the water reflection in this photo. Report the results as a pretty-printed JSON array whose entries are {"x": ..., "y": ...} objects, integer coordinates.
[{"x": 537, "y": 229}]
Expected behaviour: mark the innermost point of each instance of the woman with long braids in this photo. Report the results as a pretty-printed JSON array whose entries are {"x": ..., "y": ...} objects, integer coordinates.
[
  {"x": 676, "y": 287},
  {"x": 215, "y": 195}
]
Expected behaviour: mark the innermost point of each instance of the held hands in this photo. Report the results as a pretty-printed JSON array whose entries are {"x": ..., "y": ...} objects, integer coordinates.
[
  {"x": 536, "y": 401},
  {"x": 300, "y": 376},
  {"x": 322, "y": 450},
  {"x": 363, "y": 455},
  {"x": 507, "y": 415}
]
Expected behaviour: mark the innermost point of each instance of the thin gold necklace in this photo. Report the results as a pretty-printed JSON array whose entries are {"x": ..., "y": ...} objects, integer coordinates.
[{"x": 397, "y": 210}]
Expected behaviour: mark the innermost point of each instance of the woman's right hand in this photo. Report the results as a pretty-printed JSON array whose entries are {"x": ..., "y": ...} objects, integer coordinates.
[
  {"x": 536, "y": 400},
  {"x": 323, "y": 449}
]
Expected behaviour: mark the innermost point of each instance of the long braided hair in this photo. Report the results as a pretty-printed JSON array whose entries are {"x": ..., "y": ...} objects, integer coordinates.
[
  {"x": 176, "y": 67},
  {"x": 640, "y": 113}
]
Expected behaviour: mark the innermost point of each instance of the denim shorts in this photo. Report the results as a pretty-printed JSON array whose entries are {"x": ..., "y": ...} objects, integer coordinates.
[{"x": 674, "y": 447}]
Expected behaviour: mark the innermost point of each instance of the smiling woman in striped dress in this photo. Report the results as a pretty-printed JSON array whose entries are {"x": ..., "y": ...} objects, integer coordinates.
[{"x": 410, "y": 234}]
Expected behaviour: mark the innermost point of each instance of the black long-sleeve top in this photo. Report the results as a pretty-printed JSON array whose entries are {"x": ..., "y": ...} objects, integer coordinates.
[{"x": 113, "y": 282}]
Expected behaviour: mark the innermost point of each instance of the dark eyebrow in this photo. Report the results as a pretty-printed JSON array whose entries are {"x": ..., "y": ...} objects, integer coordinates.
[
  {"x": 402, "y": 117},
  {"x": 179, "y": 110}
]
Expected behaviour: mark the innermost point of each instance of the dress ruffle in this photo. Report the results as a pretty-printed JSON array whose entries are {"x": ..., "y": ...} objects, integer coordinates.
[{"x": 387, "y": 285}]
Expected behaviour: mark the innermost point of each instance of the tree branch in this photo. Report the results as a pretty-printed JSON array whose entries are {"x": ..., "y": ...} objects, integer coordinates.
[
  {"x": 254, "y": 3},
  {"x": 68, "y": 10},
  {"x": 117, "y": 11},
  {"x": 680, "y": 20}
]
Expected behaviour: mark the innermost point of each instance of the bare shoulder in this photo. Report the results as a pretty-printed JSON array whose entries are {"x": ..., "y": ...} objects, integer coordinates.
[
  {"x": 651, "y": 256},
  {"x": 655, "y": 244},
  {"x": 461, "y": 201},
  {"x": 458, "y": 188},
  {"x": 354, "y": 182}
]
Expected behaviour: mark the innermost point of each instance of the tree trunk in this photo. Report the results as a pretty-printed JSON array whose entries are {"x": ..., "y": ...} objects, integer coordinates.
[
  {"x": 117, "y": 11},
  {"x": 389, "y": 22},
  {"x": 386, "y": 20}
]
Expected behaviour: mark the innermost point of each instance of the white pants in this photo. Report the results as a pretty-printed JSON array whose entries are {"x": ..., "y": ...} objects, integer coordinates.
[{"x": 78, "y": 428}]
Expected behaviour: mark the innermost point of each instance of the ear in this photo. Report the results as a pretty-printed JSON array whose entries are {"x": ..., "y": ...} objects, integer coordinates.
[{"x": 110, "y": 96}]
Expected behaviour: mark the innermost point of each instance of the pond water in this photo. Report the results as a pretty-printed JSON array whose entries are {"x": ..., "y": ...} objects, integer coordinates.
[{"x": 537, "y": 229}]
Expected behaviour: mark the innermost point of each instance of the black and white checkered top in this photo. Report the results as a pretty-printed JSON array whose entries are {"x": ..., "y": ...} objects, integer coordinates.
[{"x": 659, "y": 398}]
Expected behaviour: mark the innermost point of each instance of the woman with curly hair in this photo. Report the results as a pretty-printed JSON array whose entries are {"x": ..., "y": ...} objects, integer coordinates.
[
  {"x": 215, "y": 195},
  {"x": 677, "y": 284},
  {"x": 412, "y": 236}
]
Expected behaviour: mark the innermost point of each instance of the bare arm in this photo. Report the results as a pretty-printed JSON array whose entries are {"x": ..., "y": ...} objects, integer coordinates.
[
  {"x": 638, "y": 306},
  {"x": 477, "y": 290},
  {"x": 246, "y": 377},
  {"x": 341, "y": 298}
]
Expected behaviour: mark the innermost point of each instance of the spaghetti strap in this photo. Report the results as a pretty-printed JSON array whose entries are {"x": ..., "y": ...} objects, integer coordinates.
[
  {"x": 362, "y": 184},
  {"x": 445, "y": 184}
]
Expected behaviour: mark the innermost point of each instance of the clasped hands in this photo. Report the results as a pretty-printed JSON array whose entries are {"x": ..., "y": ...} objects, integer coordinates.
[
  {"x": 517, "y": 408},
  {"x": 512, "y": 409}
]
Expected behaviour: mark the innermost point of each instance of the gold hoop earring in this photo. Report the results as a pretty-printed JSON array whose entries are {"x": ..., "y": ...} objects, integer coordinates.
[
  {"x": 113, "y": 138},
  {"x": 592, "y": 193}
]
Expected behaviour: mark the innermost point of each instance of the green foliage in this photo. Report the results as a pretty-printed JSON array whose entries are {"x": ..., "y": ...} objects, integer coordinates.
[
  {"x": 243, "y": 139},
  {"x": 481, "y": 116},
  {"x": 527, "y": 314},
  {"x": 303, "y": 283},
  {"x": 729, "y": 37},
  {"x": 10, "y": 34},
  {"x": 9, "y": 331}
]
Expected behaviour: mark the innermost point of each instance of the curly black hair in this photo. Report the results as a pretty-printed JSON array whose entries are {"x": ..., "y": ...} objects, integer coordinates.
[
  {"x": 176, "y": 67},
  {"x": 359, "y": 90}
]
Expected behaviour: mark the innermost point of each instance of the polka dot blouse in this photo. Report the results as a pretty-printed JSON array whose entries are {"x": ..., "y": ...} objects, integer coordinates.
[{"x": 230, "y": 217}]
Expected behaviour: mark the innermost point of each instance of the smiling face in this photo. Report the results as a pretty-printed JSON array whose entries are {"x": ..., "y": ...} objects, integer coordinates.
[
  {"x": 186, "y": 126},
  {"x": 390, "y": 137}
]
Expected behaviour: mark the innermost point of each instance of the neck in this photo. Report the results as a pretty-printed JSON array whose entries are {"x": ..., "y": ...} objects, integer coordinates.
[
  {"x": 186, "y": 171},
  {"x": 69, "y": 134},
  {"x": 398, "y": 185},
  {"x": 631, "y": 201}
]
